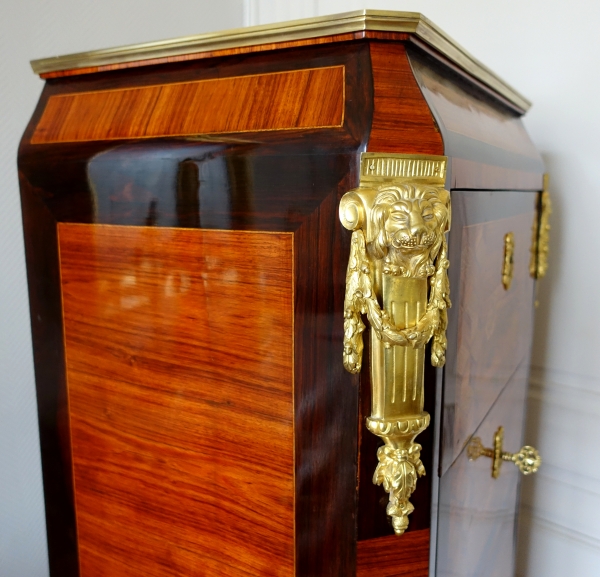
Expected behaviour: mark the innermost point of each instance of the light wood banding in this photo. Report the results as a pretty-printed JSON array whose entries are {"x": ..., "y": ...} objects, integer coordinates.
[
  {"x": 310, "y": 98},
  {"x": 179, "y": 354}
]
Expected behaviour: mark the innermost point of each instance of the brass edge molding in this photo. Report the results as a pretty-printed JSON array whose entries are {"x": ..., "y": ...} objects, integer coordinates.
[
  {"x": 348, "y": 22},
  {"x": 397, "y": 277}
]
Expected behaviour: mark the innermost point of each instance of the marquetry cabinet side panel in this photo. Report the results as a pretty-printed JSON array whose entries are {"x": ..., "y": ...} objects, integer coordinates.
[{"x": 180, "y": 389}]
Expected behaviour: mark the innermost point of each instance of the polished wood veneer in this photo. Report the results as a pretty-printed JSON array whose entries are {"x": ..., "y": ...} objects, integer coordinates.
[
  {"x": 312, "y": 98},
  {"x": 399, "y": 114},
  {"x": 478, "y": 514},
  {"x": 486, "y": 139},
  {"x": 393, "y": 557},
  {"x": 180, "y": 390}
]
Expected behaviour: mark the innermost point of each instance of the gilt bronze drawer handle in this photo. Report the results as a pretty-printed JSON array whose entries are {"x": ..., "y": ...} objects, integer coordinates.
[
  {"x": 397, "y": 277},
  {"x": 538, "y": 265},
  {"x": 528, "y": 460}
]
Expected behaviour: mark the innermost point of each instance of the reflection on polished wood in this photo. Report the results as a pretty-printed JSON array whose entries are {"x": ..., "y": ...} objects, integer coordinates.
[
  {"x": 310, "y": 98},
  {"x": 392, "y": 557},
  {"x": 487, "y": 141},
  {"x": 180, "y": 382},
  {"x": 477, "y": 513},
  {"x": 495, "y": 328}
]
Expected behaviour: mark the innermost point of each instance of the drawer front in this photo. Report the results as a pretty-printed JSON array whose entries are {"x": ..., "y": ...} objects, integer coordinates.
[
  {"x": 477, "y": 513},
  {"x": 490, "y": 328},
  {"x": 485, "y": 382}
]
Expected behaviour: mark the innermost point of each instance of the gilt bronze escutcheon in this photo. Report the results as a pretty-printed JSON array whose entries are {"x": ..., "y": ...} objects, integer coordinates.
[{"x": 397, "y": 277}]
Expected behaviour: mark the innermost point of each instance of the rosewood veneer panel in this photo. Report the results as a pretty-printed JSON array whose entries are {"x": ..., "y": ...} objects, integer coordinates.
[
  {"x": 402, "y": 121},
  {"x": 407, "y": 556},
  {"x": 179, "y": 348},
  {"x": 309, "y": 98},
  {"x": 326, "y": 398}
]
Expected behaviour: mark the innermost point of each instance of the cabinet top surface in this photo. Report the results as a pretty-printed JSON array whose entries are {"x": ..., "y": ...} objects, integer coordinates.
[{"x": 266, "y": 37}]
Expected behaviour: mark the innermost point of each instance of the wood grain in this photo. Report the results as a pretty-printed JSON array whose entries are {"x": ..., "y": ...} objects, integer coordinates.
[
  {"x": 179, "y": 368},
  {"x": 326, "y": 397},
  {"x": 309, "y": 98},
  {"x": 402, "y": 121},
  {"x": 285, "y": 178},
  {"x": 461, "y": 74},
  {"x": 404, "y": 556},
  {"x": 470, "y": 174}
]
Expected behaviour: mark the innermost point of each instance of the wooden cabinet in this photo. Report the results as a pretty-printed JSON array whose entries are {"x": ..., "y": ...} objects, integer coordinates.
[{"x": 187, "y": 275}]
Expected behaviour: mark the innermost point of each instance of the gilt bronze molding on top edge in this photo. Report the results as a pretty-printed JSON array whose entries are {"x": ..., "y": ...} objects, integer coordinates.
[{"x": 281, "y": 32}]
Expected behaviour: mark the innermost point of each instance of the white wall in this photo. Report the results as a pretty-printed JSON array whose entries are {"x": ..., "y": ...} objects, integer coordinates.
[
  {"x": 35, "y": 29},
  {"x": 548, "y": 49}
]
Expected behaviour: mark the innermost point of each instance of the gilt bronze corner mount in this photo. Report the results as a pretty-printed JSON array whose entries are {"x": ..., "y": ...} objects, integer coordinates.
[{"x": 397, "y": 277}]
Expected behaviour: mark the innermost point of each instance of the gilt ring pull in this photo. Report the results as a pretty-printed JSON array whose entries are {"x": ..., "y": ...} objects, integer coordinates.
[{"x": 527, "y": 460}]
